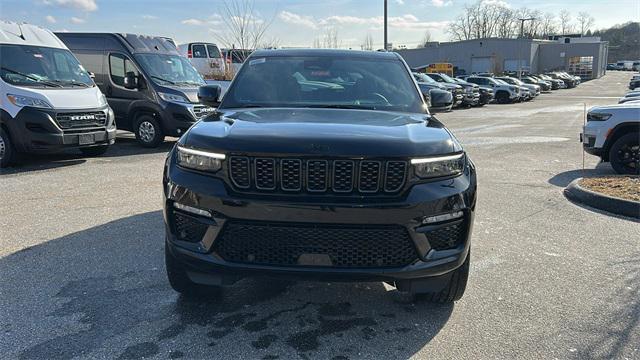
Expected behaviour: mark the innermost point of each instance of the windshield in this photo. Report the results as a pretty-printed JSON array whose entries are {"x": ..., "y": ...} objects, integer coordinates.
[
  {"x": 170, "y": 69},
  {"x": 325, "y": 82},
  {"x": 447, "y": 78},
  {"x": 37, "y": 66},
  {"x": 424, "y": 78}
]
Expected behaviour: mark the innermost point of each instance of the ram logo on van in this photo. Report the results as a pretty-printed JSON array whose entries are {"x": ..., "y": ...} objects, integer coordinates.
[{"x": 82, "y": 117}]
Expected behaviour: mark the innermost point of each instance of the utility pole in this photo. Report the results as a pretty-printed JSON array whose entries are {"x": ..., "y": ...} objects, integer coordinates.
[
  {"x": 520, "y": 45},
  {"x": 385, "y": 25}
]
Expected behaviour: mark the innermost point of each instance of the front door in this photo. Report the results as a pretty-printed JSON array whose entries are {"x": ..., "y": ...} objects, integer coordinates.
[{"x": 118, "y": 96}]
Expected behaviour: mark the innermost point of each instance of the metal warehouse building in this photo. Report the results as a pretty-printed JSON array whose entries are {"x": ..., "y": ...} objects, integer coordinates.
[{"x": 583, "y": 56}]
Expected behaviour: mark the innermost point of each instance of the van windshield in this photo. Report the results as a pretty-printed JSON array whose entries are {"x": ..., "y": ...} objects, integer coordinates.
[
  {"x": 324, "y": 82},
  {"x": 166, "y": 69},
  {"x": 37, "y": 66}
]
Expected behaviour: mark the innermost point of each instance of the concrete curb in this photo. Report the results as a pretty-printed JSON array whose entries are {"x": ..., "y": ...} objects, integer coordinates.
[{"x": 600, "y": 201}]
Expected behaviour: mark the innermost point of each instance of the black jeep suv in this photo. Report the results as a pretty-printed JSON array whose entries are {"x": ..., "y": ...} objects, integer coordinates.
[{"x": 325, "y": 165}]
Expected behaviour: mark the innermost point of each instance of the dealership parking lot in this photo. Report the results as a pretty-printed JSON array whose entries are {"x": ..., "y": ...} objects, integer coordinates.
[{"x": 82, "y": 266}]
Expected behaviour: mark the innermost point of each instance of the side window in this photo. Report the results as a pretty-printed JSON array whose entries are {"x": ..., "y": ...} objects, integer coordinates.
[
  {"x": 214, "y": 52},
  {"x": 119, "y": 65},
  {"x": 198, "y": 51}
]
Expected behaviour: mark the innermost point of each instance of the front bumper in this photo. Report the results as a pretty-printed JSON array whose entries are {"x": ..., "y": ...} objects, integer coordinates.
[
  {"x": 178, "y": 118},
  {"x": 471, "y": 99},
  {"x": 422, "y": 200},
  {"x": 38, "y": 130}
]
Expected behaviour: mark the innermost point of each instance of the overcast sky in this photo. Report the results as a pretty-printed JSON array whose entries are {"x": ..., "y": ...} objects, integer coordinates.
[{"x": 294, "y": 22}]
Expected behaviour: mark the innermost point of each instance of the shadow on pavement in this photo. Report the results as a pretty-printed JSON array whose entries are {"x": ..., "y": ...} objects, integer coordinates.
[
  {"x": 565, "y": 178},
  {"x": 124, "y": 146},
  {"x": 102, "y": 292}
]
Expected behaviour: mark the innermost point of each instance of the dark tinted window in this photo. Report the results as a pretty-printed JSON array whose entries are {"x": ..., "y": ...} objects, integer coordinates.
[
  {"x": 214, "y": 52},
  {"x": 324, "y": 82},
  {"x": 198, "y": 51},
  {"x": 119, "y": 65}
]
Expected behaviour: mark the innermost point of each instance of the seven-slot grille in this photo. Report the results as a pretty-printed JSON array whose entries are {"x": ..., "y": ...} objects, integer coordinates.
[
  {"x": 83, "y": 119},
  {"x": 317, "y": 175}
]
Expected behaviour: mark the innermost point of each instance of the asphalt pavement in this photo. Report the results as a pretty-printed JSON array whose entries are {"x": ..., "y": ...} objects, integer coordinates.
[{"x": 82, "y": 269}]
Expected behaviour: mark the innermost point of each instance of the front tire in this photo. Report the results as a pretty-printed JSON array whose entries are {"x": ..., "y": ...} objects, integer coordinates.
[
  {"x": 624, "y": 154},
  {"x": 94, "y": 150},
  {"x": 7, "y": 151},
  {"x": 148, "y": 131},
  {"x": 179, "y": 280},
  {"x": 454, "y": 290}
]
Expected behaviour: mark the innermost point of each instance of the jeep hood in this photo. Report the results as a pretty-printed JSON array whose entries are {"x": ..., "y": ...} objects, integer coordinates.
[{"x": 321, "y": 132}]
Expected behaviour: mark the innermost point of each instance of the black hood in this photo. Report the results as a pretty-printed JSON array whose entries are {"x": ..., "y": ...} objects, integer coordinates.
[{"x": 321, "y": 132}]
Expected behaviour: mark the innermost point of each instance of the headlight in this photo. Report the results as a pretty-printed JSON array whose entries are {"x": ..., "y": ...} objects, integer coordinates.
[
  {"x": 199, "y": 160},
  {"x": 19, "y": 100},
  {"x": 173, "y": 98},
  {"x": 439, "y": 166},
  {"x": 598, "y": 117},
  {"x": 102, "y": 100}
]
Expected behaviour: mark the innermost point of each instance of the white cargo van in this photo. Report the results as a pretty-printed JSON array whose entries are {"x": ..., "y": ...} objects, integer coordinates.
[
  {"x": 206, "y": 58},
  {"x": 48, "y": 101}
]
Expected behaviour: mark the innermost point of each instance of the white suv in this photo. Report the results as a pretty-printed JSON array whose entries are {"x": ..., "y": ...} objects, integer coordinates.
[
  {"x": 613, "y": 133},
  {"x": 504, "y": 93}
]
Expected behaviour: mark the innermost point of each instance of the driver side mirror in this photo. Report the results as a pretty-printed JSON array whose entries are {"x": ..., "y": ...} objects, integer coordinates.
[
  {"x": 91, "y": 75},
  {"x": 209, "y": 95},
  {"x": 130, "y": 81}
]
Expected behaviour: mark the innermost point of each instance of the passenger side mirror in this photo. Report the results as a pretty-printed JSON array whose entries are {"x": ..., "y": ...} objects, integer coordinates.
[
  {"x": 130, "y": 80},
  {"x": 209, "y": 95}
]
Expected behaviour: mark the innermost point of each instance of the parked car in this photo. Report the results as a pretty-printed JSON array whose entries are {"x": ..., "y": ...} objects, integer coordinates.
[
  {"x": 350, "y": 180},
  {"x": 470, "y": 92},
  {"x": 486, "y": 95},
  {"x": 150, "y": 86},
  {"x": 636, "y": 66},
  {"x": 555, "y": 83},
  {"x": 49, "y": 101},
  {"x": 504, "y": 93},
  {"x": 234, "y": 58},
  {"x": 569, "y": 81},
  {"x": 544, "y": 85},
  {"x": 206, "y": 58},
  {"x": 532, "y": 89},
  {"x": 612, "y": 66},
  {"x": 440, "y": 98},
  {"x": 613, "y": 133},
  {"x": 634, "y": 83},
  {"x": 627, "y": 98}
]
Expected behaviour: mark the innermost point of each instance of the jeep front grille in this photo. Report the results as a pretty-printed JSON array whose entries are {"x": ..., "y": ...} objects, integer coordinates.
[{"x": 266, "y": 174}]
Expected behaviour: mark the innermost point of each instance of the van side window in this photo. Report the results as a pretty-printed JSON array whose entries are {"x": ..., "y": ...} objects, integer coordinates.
[
  {"x": 119, "y": 65},
  {"x": 198, "y": 51},
  {"x": 214, "y": 52}
]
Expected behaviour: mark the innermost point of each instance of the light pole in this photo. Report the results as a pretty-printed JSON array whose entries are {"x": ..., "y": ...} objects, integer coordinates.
[
  {"x": 520, "y": 45},
  {"x": 385, "y": 25}
]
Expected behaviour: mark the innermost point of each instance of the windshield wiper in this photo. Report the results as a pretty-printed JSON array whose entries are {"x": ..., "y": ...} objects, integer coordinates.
[
  {"x": 44, "y": 82},
  {"x": 72, "y": 82},
  {"x": 162, "y": 79}
]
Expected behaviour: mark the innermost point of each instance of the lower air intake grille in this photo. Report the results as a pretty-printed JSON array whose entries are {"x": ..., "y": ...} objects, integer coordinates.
[
  {"x": 347, "y": 246},
  {"x": 448, "y": 237},
  {"x": 188, "y": 228}
]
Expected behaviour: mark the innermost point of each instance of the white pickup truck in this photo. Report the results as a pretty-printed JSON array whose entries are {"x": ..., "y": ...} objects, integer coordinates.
[{"x": 612, "y": 132}]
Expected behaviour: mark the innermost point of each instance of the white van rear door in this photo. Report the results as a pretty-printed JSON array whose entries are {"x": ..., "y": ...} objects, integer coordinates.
[{"x": 199, "y": 58}]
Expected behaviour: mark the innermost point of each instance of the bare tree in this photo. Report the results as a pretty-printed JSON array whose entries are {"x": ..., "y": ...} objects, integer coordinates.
[
  {"x": 548, "y": 24},
  {"x": 585, "y": 22},
  {"x": 368, "y": 42},
  {"x": 566, "y": 27},
  {"x": 330, "y": 39},
  {"x": 271, "y": 43},
  {"x": 243, "y": 28},
  {"x": 426, "y": 38}
]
